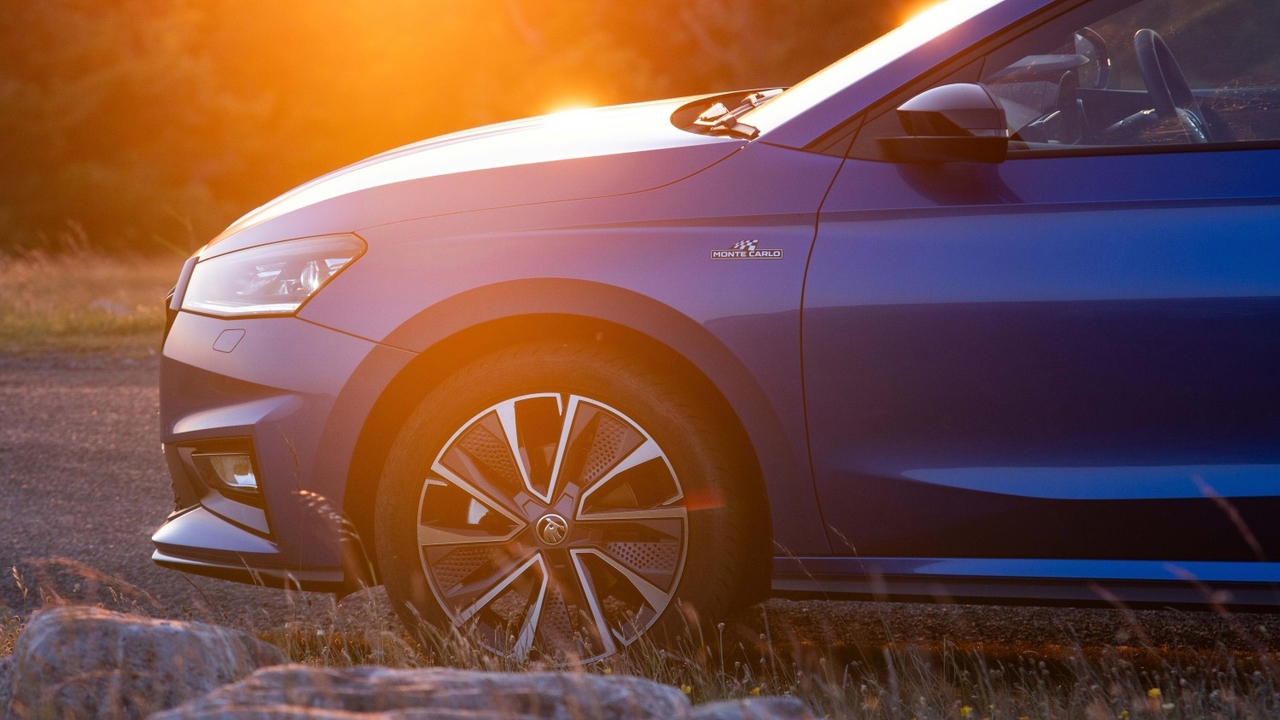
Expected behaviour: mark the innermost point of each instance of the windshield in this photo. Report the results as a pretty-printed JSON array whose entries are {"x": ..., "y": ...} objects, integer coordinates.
[{"x": 917, "y": 31}]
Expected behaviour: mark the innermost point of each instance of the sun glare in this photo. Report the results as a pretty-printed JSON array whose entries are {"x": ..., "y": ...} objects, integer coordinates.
[
  {"x": 569, "y": 118},
  {"x": 937, "y": 18},
  {"x": 568, "y": 108}
]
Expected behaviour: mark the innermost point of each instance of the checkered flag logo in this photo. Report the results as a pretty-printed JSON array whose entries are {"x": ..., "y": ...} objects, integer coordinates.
[{"x": 746, "y": 250}]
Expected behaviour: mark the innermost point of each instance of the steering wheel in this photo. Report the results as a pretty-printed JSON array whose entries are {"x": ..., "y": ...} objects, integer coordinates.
[
  {"x": 1167, "y": 86},
  {"x": 1101, "y": 56}
]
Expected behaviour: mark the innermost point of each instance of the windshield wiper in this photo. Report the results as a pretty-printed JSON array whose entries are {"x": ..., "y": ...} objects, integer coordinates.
[{"x": 719, "y": 119}]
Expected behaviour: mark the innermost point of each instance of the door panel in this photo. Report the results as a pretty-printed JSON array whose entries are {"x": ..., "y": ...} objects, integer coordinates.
[{"x": 1050, "y": 358}]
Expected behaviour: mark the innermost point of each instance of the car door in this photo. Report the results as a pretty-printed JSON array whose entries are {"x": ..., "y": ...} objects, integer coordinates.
[{"x": 1074, "y": 354}]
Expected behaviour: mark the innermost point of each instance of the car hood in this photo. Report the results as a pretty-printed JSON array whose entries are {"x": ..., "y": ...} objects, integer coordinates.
[{"x": 564, "y": 156}]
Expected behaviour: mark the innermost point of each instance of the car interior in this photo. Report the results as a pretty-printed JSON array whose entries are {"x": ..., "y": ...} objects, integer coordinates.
[
  {"x": 1155, "y": 72},
  {"x": 1117, "y": 76}
]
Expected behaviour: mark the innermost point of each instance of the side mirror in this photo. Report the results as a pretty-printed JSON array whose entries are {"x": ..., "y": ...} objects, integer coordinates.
[{"x": 951, "y": 123}]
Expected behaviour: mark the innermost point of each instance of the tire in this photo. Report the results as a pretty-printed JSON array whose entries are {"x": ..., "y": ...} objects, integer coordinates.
[{"x": 622, "y": 522}]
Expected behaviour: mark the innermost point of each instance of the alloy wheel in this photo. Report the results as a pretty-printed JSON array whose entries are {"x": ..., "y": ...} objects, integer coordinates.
[{"x": 552, "y": 525}]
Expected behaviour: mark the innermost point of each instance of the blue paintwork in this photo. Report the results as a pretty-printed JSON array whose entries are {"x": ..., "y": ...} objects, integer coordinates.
[
  {"x": 304, "y": 416},
  {"x": 1071, "y": 313},
  {"x": 608, "y": 152},
  {"x": 1040, "y": 370},
  {"x": 1109, "y": 483},
  {"x": 1017, "y": 569}
]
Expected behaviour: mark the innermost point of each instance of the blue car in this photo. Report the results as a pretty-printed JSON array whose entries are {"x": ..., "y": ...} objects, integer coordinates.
[{"x": 987, "y": 310}]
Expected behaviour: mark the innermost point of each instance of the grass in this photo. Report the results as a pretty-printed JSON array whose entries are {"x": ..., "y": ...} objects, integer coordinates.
[
  {"x": 83, "y": 302},
  {"x": 890, "y": 679},
  {"x": 893, "y": 681},
  {"x": 10, "y": 628},
  {"x": 901, "y": 682},
  {"x": 896, "y": 682}
]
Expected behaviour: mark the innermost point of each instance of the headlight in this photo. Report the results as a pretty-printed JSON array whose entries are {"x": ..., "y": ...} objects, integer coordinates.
[{"x": 273, "y": 279}]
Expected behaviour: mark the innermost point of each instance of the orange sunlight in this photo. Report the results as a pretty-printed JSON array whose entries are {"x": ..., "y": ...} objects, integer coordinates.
[
  {"x": 569, "y": 106},
  {"x": 931, "y": 20}
]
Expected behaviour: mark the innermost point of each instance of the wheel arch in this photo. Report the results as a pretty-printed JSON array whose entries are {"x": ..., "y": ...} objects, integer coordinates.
[{"x": 474, "y": 324}]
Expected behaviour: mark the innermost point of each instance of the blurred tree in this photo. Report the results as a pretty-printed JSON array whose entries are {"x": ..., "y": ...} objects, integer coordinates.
[
  {"x": 146, "y": 124},
  {"x": 110, "y": 117}
]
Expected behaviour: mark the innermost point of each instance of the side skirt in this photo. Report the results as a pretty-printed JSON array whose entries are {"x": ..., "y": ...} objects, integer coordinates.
[{"x": 1137, "y": 583}]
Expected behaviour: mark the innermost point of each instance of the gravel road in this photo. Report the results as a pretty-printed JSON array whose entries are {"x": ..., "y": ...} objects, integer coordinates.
[{"x": 83, "y": 484}]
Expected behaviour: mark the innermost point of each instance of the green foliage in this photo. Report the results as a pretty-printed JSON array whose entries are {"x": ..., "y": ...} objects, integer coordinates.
[{"x": 150, "y": 124}]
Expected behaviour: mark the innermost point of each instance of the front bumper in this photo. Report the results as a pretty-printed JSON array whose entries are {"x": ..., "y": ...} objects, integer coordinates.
[
  {"x": 219, "y": 541},
  {"x": 298, "y": 394}
]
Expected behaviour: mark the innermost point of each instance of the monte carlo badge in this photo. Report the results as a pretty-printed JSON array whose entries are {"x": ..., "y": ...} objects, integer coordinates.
[{"x": 746, "y": 250}]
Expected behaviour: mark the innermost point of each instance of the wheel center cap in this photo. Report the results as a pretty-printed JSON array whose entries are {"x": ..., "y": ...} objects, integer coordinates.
[{"x": 552, "y": 529}]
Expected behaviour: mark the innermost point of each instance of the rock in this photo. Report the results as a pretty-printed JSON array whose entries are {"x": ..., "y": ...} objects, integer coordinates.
[
  {"x": 86, "y": 662},
  {"x": 765, "y": 708},
  {"x": 297, "y": 691}
]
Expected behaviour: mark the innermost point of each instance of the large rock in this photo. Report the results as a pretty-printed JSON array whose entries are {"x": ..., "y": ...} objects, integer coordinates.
[
  {"x": 369, "y": 693},
  {"x": 763, "y": 708},
  {"x": 84, "y": 662}
]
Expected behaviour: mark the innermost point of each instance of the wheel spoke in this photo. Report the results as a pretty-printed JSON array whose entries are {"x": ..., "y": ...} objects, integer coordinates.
[
  {"x": 647, "y": 451},
  {"x": 455, "y": 568},
  {"x": 570, "y": 414},
  {"x": 556, "y": 624},
  {"x": 652, "y": 594},
  {"x": 656, "y": 560},
  {"x": 429, "y": 536},
  {"x": 634, "y": 542},
  {"x": 593, "y": 602},
  {"x": 669, "y": 512},
  {"x": 529, "y": 629},
  {"x": 502, "y": 584},
  {"x": 490, "y": 499},
  {"x": 472, "y": 531},
  {"x": 507, "y": 419}
]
